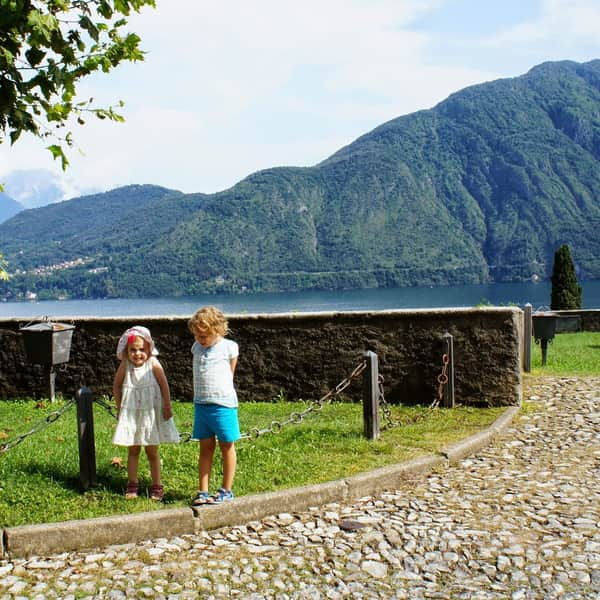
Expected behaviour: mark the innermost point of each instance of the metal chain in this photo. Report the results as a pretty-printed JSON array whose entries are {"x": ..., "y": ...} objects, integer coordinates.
[
  {"x": 385, "y": 408},
  {"x": 296, "y": 418},
  {"x": 183, "y": 437},
  {"x": 109, "y": 408},
  {"x": 50, "y": 418},
  {"x": 443, "y": 378}
]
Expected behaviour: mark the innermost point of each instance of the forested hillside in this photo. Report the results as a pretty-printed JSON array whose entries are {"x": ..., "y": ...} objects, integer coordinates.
[{"x": 483, "y": 187}]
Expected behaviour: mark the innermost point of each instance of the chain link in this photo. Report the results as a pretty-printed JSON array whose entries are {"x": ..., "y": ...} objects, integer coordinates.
[
  {"x": 442, "y": 380},
  {"x": 106, "y": 405},
  {"x": 385, "y": 407},
  {"x": 296, "y": 417},
  {"x": 50, "y": 418}
]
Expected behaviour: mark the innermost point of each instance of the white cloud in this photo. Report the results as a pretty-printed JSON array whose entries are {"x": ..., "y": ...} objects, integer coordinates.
[{"x": 561, "y": 24}]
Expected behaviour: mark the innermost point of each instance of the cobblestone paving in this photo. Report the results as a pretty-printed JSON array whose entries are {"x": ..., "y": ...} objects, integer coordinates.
[{"x": 519, "y": 520}]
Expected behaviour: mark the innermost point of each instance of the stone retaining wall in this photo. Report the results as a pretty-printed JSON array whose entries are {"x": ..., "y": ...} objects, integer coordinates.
[
  {"x": 590, "y": 318},
  {"x": 301, "y": 356}
]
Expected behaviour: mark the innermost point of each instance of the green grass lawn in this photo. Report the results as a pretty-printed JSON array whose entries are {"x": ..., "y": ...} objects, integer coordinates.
[
  {"x": 39, "y": 477},
  {"x": 569, "y": 354}
]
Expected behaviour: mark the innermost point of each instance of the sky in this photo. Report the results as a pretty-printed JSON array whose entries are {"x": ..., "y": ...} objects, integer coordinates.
[{"x": 232, "y": 87}]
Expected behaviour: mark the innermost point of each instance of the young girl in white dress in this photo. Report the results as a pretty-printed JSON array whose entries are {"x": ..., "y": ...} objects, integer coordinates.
[{"x": 143, "y": 402}]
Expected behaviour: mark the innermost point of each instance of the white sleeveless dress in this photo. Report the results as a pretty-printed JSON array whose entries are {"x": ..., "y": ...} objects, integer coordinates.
[{"x": 141, "y": 420}]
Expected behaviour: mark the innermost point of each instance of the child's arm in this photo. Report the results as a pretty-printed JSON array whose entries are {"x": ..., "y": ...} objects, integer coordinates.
[
  {"x": 233, "y": 363},
  {"x": 118, "y": 384},
  {"x": 161, "y": 378}
]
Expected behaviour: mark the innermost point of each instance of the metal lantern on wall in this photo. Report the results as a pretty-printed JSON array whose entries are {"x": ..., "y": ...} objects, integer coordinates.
[
  {"x": 544, "y": 330},
  {"x": 48, "y": 343}
]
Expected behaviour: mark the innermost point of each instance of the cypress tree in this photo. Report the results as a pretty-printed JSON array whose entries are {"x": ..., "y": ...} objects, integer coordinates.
[{"x": 566, "y": 292}]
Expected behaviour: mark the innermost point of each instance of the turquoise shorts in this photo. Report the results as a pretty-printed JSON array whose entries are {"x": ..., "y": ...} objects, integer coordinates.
[{"x": 212, "y": 420}]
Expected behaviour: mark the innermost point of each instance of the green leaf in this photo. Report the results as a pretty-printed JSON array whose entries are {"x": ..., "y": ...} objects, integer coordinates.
[
  {"x": 42, "y": 25},
  {"x": 57, "y": 152},
  {"x": 34, "y": 56},
  {"x": 7, "y": 58},
  {"x": 122, "y": 6},
  {"x": 87, "y": 24},
  {"x": 104, "y": 9}
]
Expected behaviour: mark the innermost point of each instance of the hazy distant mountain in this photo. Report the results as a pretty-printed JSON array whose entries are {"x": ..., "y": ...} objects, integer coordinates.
[
  {"x": 8, "y": 207},
  {"x": 483, "y": 187},
  {"x": 33, "y": 188}
]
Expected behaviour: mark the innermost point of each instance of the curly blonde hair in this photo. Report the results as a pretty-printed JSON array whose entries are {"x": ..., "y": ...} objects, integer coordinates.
[{"x": 209, "y": 319}]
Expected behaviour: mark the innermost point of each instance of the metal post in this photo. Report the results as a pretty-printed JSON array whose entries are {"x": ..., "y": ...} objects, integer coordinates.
[
  {"x": 544, "y": 345},
  {"x": 527, "y": 334},
  {"x": 449, "y": 387},
  {"x": 51, "y": 374},
  {"x": 85, "y": 430},
  {"x": 371, "y": 396}
]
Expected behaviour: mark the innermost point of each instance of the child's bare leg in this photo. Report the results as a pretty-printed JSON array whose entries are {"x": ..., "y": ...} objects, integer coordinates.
[
  {"x": 133, "y": 459},
  {"x": 229, "y": 463},
  {"x": 154, "y": 462},
  {"x": 205, "y": 459}
]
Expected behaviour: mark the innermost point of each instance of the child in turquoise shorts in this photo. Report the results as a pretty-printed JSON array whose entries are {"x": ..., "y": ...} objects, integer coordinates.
[{"x": 215, "y": 401}]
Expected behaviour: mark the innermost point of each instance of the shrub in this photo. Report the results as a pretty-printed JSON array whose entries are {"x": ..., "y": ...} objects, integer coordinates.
[{"x": 566, "y": 292}]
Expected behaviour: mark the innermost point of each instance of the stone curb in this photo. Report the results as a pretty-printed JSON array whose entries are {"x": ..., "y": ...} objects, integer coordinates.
[
  {"x": 505, "y": 419},
  {"x": 55, "y": 538},
  {"x": 475, "y": 442},
  {"x": 67, "y": 536},
  {"x": 468, "y": 446}
]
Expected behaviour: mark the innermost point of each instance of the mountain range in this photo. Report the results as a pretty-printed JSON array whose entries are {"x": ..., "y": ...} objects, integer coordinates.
[
  {"x": 8, "y": 207},
  {"x": 485, "y": 186}
]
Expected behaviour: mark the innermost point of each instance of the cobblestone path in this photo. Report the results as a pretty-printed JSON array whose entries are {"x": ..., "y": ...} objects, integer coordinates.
[{"x": 519, "y": 520}]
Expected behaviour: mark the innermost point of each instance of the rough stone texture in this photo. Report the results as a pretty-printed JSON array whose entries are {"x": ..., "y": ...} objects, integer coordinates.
[
  {"x": 518, "y": 520},
  {"x": 301, "y": 355}
]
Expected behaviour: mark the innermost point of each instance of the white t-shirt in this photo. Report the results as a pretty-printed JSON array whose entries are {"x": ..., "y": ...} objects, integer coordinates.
[{"x": 213, "y": 379}]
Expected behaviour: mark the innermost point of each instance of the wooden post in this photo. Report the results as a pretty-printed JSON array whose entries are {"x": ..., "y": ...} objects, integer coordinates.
[
  {"x": 371, "y": 396},
  {"x": 85, "y": 431},
  {"x": 527, "y": 334},
  {"x": 449, "y": 387}
]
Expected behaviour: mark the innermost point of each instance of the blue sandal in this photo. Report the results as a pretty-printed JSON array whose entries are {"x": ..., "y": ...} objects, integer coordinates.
[
  {"x": 222, "y": 496},
  {"x": 201, "y": 498}
]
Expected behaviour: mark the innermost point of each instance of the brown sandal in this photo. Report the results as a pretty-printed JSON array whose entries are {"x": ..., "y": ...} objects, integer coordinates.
[
  {"x": 132, "y": 491},
  {"x": 157, "y": 492}
]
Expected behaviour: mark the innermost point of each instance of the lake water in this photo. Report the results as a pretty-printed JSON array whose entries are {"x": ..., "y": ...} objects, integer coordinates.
[{"x": 498, "y": 294}]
